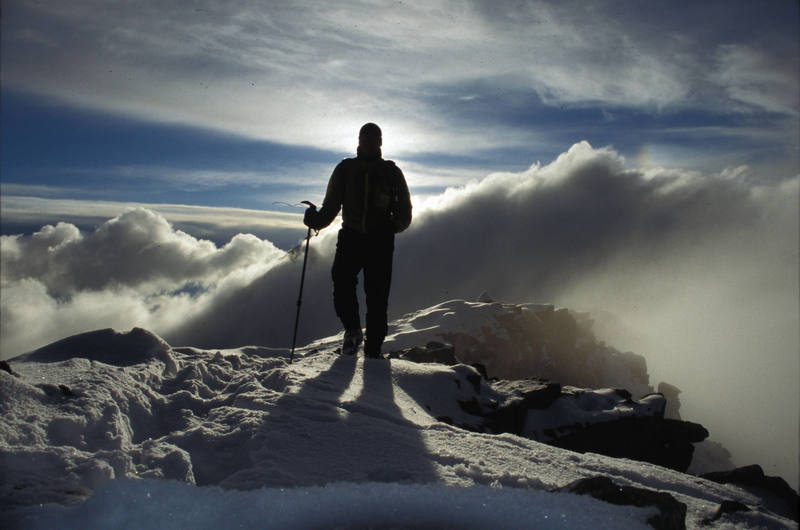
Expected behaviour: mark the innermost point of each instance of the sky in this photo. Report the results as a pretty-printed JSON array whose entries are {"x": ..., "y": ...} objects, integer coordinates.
[
  {"x": 252, "y": 103},
  {"x": 636, "y": 160}
]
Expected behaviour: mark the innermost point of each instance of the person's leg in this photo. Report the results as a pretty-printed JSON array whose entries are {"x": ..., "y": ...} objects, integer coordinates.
[
  {"x": 377, "y": 284},
  {"x": 346, "y": 266}
]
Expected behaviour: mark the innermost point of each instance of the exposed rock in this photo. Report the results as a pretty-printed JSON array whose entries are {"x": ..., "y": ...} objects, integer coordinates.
[
  {"x": 528, "y": 394},
  {"x": 778, "y": 496},
  {"x": 604, "y": 421},
  {"x": 672, "y": 514},
  {"x": 433, "y": 352},
  {"x": 609, "y": 422},
  {"x": 521, "y": 341},
  {"x": 531, "y": 346},
  {"x": 518, "y": 398},
  {"x": 656, "y": 440},
  {"x": 6, "y": 367},
  {"x": 726, "y": 507}
]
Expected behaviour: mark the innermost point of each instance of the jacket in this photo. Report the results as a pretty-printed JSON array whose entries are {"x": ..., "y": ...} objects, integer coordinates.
[{"x": 373, "y": 194}]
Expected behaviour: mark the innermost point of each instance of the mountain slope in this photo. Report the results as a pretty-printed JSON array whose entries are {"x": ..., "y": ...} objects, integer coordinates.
[{"x": 106, "y": 405}]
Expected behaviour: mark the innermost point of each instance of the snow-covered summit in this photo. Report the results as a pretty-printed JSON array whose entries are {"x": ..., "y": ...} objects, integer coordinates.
[{"x": 105, "y": 405}]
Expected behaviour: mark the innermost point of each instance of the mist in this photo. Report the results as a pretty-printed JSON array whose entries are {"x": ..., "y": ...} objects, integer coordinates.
[{"x": 697, "y": 272}]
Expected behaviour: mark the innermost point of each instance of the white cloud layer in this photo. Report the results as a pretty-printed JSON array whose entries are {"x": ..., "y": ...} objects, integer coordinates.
[
  {"x": 133, "y": 268},
  {"x": 215, "y": 223}
]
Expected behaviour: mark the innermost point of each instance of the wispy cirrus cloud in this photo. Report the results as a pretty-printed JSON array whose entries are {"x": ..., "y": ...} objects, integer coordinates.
[{"x": 310, "y": 74}]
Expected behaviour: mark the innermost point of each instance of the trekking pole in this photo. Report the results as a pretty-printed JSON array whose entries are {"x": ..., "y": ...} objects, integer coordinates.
[{"x": 300, "y": 296}]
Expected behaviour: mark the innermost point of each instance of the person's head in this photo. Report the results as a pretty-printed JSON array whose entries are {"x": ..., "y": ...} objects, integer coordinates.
[{"x": 369, "y": 139}]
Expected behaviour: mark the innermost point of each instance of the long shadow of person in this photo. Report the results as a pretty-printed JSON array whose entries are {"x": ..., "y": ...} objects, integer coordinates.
[
  {"x": 341, "y": 426},
  {"x": 390, "y": 447}
]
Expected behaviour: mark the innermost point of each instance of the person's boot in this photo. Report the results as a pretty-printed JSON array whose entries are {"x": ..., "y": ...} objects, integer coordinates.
[
  {"x": 352, "y": 340},
  {"x": 372, "y": 350}
]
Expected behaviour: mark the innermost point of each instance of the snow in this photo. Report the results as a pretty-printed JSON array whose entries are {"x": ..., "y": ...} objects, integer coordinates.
[
  {"x": 584, "y": 407},
  {"x": 120, "y": 430},
  {"x": 139, "y": 504}
]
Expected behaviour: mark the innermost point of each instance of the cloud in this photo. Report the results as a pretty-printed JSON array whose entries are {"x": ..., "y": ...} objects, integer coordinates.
[
  {"x": 580, "y": 229},
  {"x": 133, "y": 268},
  {"x": 20, "y": 213},
  {"x": 294, "y": 73},
  {"x": 759, "y": 80},
  {"x": 138, "y": 249},
  {"x": 584, "y": 219}
]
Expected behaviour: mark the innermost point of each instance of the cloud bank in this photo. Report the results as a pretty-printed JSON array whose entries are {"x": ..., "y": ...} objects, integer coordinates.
[
  {"x": 698, "y": 271},
  {"x": 133, "y": 268}
]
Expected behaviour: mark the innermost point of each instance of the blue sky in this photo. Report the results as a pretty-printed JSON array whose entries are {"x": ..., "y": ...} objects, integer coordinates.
[{"x": 248, "y": 103}]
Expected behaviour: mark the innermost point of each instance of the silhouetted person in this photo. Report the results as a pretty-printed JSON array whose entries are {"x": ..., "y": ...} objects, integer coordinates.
[{"x": 373, "y": 195}]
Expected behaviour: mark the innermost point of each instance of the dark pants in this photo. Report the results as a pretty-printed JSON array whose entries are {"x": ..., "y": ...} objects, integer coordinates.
[{"x": 373, "y": 254}]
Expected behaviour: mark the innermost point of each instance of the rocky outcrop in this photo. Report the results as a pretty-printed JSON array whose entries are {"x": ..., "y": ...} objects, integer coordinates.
[
  {"x": 6, "y": 367},
  {"x": 529, "y": 340},
  {"x": 659, "y": 441},
  {"x": 671, "y": 513},
  {"x": 433, "y": 352},
  {"x": 605, "y": 421},
  {"x": 778, "y": 496}
]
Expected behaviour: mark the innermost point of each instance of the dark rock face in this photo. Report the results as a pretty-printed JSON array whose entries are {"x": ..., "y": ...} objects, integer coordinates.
[
  {"x": 433, "y": 352},
  {"x": 6, "y": 367},
  {"x": 643, "y": 434},
  {"x": 530, "y": 347},
  {"x": 519, "y": 396},
  {"x": 656, "y": 440},
  {"x": 606, "y": 421},
  {"x": 672, "y": 514},
  {"x": 779, "y": 497}
]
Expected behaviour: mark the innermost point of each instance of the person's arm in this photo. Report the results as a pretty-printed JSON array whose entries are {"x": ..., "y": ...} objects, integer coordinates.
[
  {"x": 330, "y": 205},
  {"x": 401, "y": 216}
]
